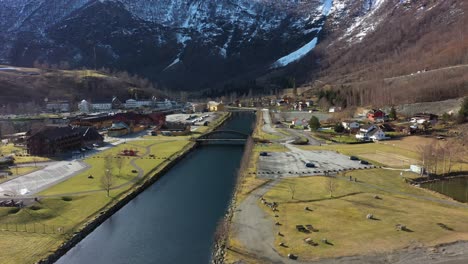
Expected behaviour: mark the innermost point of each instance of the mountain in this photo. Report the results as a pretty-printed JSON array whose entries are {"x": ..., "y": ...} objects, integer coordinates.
[
  {"x": 206, "y": 42},
  {"x": 227, "y": 45}
]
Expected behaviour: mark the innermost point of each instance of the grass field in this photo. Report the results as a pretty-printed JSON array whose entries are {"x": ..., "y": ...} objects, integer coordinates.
[
  {"x": 20, "y": 154},
  {"x": 342, "y": 219}
]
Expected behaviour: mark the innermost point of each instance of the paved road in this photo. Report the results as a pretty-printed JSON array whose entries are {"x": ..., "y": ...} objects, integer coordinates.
[{"x": 39, "y": 180}]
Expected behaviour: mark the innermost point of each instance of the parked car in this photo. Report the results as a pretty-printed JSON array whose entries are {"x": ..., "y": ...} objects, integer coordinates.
[
  {"x": 353, "y": 158},
  {"x": 310, "y": 165},
  {"x": 263, "y": 154},
  {"x": 292, "y": 256},
  {"x": 364, "y": 162}
]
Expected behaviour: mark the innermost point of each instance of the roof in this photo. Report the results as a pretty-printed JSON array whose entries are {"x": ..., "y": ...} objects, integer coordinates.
[{"x": 56, "y": 132}]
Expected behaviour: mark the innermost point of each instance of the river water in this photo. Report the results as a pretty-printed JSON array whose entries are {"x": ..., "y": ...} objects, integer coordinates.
[
  {"x": 174, "y": 220},
  {"x": 457, "y": 188}
]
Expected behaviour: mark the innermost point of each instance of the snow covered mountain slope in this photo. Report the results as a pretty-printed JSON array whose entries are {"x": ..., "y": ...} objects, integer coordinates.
[{"x": 197, "y": 44}]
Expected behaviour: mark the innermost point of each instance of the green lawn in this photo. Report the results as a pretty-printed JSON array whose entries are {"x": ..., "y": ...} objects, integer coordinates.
[
  {"x": 342, "y": 219},
  {"x": 20, "y": 154}
]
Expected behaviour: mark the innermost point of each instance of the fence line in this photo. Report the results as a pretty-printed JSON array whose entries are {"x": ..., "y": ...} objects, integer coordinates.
[{"x": 36, "y": 228}]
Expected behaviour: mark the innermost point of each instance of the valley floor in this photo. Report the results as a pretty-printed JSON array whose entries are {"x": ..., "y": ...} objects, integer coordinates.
[{"x": 338, "y": 230}]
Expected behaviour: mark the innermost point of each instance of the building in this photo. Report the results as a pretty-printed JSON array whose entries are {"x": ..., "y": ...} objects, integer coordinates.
[
  {"x": 118, "y": 129},
  {"x": 101, "y": 106},
  {"x": 116, "y": 103},
  {"x": 422, "y": 118},
  {"x": 58, "y": 107},
  {"x": 350, "y": 125},
  {"x": 174, "y": 129},
  {"x": 84, "y": 107},
  {"x": 370, "y": 133},
  {"x": 130, "y": 103},
  {"x": 215, "y": 106},
  {"x": 166, "y": 104},
  {"x": 90, "y": 137},
  {"x": 55, "y": 140},
  {"x": 334, "y": 109},
  {"x": 376, "y": 115}
]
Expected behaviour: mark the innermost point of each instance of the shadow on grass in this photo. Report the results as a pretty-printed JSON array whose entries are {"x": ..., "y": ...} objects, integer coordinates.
[{"x": 324, "y": 199}]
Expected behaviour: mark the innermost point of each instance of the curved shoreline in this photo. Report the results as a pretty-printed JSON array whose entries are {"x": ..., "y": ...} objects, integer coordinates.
[{"x": 107, "y": 211}]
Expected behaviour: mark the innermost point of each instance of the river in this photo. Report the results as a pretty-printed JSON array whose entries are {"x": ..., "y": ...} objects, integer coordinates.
[
  {"x": 457, "y": 188},
  {"x": 174, "y": 220}
]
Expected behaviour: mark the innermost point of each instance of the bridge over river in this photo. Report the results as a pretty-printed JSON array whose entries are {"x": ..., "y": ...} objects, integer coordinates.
[{"x": 221, "y": 136}]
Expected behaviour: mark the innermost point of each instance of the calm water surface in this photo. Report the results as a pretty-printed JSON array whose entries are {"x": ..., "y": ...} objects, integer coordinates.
[
  {"x": 174, "y": 220},
  {"x": 457, "y": 188}
]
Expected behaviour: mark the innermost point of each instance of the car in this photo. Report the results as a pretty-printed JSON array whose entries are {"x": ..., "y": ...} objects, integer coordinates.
[
  {"x": 292, "y": 256},
  {"x": 364, "y": 162},
  {"x": 310, "y": 165},
  {"x": 263, "y": 154},
  {"x": 353, "y": 158},
  {"x": 134, "y": 171}
]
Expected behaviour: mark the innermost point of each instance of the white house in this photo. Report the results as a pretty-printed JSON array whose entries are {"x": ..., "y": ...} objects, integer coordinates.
[
  {"x": 370, "y": 132},
  {"x": 84, "y": 107},
  {"x": 350, "y": 125},
  {"x": 101, "y": 106},
  {"x": 130, "y": 103},
  {"x": 58, "y": 106},
  {"x": 334, "y": 109},
  {"x": 166, "y": 104}
]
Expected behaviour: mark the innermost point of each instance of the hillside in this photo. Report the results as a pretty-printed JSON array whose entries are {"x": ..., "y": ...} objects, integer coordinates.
[
  {"x": 34, "y": 85},
  {"x": 224, "y": 46},
  {"x": 412, "y": 51}
]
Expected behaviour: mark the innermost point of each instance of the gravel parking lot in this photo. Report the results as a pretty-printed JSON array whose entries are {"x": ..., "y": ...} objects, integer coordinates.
[
  {"x": 182, "y": 118},
  {"x": 293, "y": 163}
]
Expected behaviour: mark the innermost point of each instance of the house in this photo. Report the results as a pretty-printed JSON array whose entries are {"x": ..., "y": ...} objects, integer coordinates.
[
  {"x": 166, "y": 104},
  {"x": 144, "y": 103},
  {"x": 302, "y": 106},
  {"x": 55, "y": 140},
  {"x": 58, "y": 106},
  {"x": 370, "y": 133},
  {"x": 90, "y": 137},
  {"x": 84, "y": 107},
  {"x": 116, "y": 103},
  {"x": 376, "y": 115},
  {"x": 198, "y": 107},
  {"x": 174, "y": 129},
  {"x": 118, "y": 129},
  {"x": 130, "y": 103},
  {"x": 350, "y": 125},
  {"x": 215, "y": 106},
  {"x": 422, "y": 118},
  {"x": 334, "y": 109},
  {"x": 299, "y": 122},
  {"x": 101, "y": 106}
]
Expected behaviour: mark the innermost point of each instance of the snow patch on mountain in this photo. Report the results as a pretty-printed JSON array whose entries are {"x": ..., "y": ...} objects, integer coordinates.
[
  {"x": 296, "y": 55},
  {"x": 366, "y": 23},
  {"x": 324, "y": 10}
]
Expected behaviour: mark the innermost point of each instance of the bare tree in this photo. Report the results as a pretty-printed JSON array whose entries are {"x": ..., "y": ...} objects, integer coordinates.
[
  {"x": 292, "y": 188},
  {"x": 331, "y": 185},
  {"x": 119, "y": 163},
  {"x": 107, "y": 180}
]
